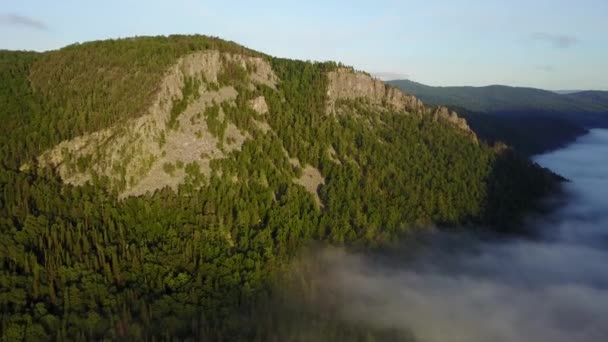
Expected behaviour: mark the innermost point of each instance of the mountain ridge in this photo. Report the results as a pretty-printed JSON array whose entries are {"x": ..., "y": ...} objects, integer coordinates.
[
  {"x": 531, "y": 120},
  {"x": 131, "y": 147},
  {"x": 496, "y": 98},
  {"x": 158, "y": 187}
]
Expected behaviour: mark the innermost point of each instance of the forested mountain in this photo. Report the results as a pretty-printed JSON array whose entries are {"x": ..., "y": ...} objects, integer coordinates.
[
  {"x": 155, "y": 187},
  {"x": 599, "y": 98},
  {"x": 498, "y": 98},
  {"x": 531, "y": 120}
]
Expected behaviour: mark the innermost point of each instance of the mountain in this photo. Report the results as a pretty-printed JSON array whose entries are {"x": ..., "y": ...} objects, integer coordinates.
[
  {"x": 156, "y": 187},
  {"x": 497, "y": 98},
  {"x": 532, "y": 120},
  {"x": 599, "y": 98},
  {"x": 566, "y": 91}
]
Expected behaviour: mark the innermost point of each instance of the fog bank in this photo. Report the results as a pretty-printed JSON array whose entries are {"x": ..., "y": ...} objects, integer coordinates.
[{"x": 551, "y": 289}]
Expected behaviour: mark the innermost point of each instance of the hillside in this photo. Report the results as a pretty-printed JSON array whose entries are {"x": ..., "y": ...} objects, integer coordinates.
[
  {"x": 497, "y": 98},
  {"x": 156, "y": 186},
  {"x": 600, "y": 98},
  {"x": 532, "y": 120}
]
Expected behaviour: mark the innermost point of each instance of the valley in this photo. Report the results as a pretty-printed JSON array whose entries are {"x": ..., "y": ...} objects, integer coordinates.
[
  {"x": 469, "y": 287},
  {"x": 533, "y": 121}
]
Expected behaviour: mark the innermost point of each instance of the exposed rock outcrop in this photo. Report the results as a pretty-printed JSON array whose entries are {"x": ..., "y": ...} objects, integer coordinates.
[
  {"x": 163, "y": 148},
  {"x": 443, "y": 113},
  {"x": 346, "y": 84},
  {"x": 311, "y": 179},
  {"x": 150, "y": 153},
  {"x": 259, "y": 105}
]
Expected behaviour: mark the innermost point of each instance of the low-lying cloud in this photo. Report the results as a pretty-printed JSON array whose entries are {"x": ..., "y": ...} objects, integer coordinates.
[
  {"x": 16, "y": 20},
  {"x": 466, "y": 288},
  {"x": 559, "y": 41},
  {"x": 390, "y": 76}
]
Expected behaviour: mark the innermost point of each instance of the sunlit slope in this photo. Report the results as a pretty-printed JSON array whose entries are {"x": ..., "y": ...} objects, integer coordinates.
[{"x": 154, "y": 186}]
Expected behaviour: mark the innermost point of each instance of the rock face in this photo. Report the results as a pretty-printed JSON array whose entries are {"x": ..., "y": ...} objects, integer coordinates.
[
  {"x": 167, "y": 147},
  {"x": 259, "y": 105},
  {"x": 443, "y": 113},
  {"x": 346, "y": 84},
  {"x": 311, "y": 180},
  {"x": 152, "y": 152}
]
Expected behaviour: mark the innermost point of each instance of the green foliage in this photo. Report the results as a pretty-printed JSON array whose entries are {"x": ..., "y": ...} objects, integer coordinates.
[
  {"x": 297, "y": 111},
  {"x": 232, "y": 73},
  {"x": 50, "y": 97},
  {"x": 83, "y": 163},
  {"x": 169, "y": 168},
  {"x": 78, "y": 263},
  {"x": 17, "y": 107},
  {"x": 194, "y": 175},
  {"x": 214, "y": 125},
  {"x": 190, "y": 92}
]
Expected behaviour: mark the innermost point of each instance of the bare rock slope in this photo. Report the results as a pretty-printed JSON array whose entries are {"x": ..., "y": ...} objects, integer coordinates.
[
  {"x": 346, "y": 84},
  {"x": 157, "y": 149},
  {"x": 169, "y": 145}
]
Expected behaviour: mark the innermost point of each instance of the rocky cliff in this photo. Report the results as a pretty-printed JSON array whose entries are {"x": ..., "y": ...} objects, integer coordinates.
[
  {"x": 152, "y": 151},
  {"x": 347, "y": 84},
  {"x": 168, "y": 145}
]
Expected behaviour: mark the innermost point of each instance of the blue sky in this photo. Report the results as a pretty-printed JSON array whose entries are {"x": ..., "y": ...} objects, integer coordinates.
[{"x": 539, "y": 43}]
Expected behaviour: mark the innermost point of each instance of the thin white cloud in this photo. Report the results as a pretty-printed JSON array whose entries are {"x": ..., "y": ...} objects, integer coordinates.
[{"x": 389, "y": 75}]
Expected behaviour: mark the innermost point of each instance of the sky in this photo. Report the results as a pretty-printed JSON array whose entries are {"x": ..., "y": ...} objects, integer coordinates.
[{"x": 550, "y": 44}]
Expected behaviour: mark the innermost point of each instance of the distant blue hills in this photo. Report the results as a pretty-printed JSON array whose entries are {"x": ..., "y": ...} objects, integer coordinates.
[{"x": 530, "y": 120}]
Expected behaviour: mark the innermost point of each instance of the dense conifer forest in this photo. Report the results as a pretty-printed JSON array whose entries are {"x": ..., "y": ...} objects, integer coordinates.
[{"x": 78, "y": 263}]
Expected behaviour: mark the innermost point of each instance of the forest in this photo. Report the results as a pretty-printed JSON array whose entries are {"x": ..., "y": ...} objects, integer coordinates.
[
  {"x": 203, "y": 262},
  {"x": 532, "y": 121}
]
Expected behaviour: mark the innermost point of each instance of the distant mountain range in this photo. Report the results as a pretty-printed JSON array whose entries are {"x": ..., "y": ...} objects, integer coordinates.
[
  {"x": 531, "y": 120},
  {"x": 498, "y": 98},
  {"x": 565, "y": 91}
]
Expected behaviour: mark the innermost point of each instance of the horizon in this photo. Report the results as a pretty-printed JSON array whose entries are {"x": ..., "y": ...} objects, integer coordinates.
[{"x": 550, "y": 45}]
